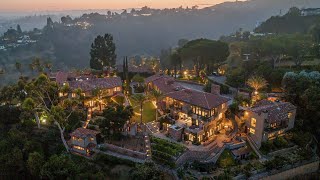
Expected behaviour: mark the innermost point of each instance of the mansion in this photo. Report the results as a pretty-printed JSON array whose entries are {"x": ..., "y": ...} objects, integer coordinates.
[
  {"x": 93, "y": 90},
  {"x": 197, "y": 115}
]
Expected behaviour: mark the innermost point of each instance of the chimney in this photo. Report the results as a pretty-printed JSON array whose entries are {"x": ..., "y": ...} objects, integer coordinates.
[{"x": 215, "y": 89}]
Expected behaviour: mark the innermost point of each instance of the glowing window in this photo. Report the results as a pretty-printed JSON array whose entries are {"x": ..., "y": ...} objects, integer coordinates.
[
  {"x": 220, "y": 116},
  {"x": 78, "y": 147},
  {"x": 252, "y": 131},
  {"x": 253, "y": 122},
  {"x": 73, "y": 95}
]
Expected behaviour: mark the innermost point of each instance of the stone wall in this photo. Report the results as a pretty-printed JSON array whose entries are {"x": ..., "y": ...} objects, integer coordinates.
[{"x": 124, "y": 151}]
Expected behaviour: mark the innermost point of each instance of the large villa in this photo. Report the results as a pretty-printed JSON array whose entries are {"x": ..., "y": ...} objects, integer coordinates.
[
  {"x": 196, "y": 115},
  {"x": 93, "y": 89}
]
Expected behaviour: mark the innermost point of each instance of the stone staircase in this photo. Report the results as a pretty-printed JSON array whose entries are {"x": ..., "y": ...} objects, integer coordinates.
[
  {"x": 211, "y": 155},
  {"x": 89, "y": 116},
  {"x": 148, "y": 146}
]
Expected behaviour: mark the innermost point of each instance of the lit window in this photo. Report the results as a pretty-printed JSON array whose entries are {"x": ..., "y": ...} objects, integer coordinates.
[
  {"x": 252, "y": 131},
  {"x": 253, "y": 122},
  {"x": 79, "y": 147},
  {"x": 220, "y": 116},
  {"x": 73, "y": 95},
  {"x": 91, "y": 139},
  {"x": 289, "y": 115}
]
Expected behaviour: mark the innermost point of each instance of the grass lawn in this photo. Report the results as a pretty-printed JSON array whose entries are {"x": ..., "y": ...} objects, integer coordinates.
[
  {"x": 226, "y": 159},
  {"x": 148, "y": 114}
]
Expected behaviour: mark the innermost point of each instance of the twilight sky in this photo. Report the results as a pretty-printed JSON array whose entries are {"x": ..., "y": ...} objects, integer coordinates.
[{"x": 40, "y": 5}]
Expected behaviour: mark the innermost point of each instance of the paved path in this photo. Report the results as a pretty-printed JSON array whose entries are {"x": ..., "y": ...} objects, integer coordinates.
[{"x": 89, "y": 116}]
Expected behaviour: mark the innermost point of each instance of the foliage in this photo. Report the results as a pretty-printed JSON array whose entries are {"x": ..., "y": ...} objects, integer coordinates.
[
  {"x": 138, "y": 78},
  {"x": 103, "y": 52},
  {"x": 9, "y": 114},
  {"x": 291, "y": 22},
  {"x": 113, "y": 121},
  {"x": 59, "y": 167},
  {"x": 147, "y": 171},
  {"x": 226, "y": 160},
  {"x": 35, "y": 162},
  {"x": 257, "y": 82},
  {"x": 302, "y": 90}
]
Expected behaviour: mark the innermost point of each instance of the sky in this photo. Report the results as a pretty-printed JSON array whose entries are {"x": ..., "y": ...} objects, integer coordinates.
[{"x": 56, "y": 5}]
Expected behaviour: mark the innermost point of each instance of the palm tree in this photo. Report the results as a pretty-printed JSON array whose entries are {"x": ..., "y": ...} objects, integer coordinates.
[
  {"x": 257, "y": 82},
  {"x": 140, "y": 98},
  {"x": 157, "y": 96},
  {"x": 18, "y": 67}
]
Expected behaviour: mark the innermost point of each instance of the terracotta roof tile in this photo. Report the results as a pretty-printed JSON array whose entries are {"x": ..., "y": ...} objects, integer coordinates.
[
  {"x": 173, "y": 89},
  {"x": 277, "y": 111},
  {"x": 96, "y": 83},
  {"x": 83, "y": 132}
]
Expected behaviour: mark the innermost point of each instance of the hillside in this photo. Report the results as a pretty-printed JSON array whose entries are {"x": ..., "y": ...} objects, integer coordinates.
[{"x": 292, "y": 22}]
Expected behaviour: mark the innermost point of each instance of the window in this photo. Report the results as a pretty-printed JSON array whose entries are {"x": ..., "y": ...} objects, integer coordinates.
[
  {"x": 78, "y": 147},
  {"x": 252, "y": 131},
  {"x": 289, "y": 115},
  {"x": 91, "y": 139},
  {"x": 220, "y": 116},
  {"x": 60, "y": 94},
  {"x": 73, "y": 95},
  {"x": 253, "y": 122},
  {"x": 223, "y": 105}
]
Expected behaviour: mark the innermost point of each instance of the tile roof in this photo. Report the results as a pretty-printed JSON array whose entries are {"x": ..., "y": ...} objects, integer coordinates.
[
  {"x": 96, "y": 83},
  {"x": 277, "y": 111},
  {"x": 83, "y": 132},
  {"x": 173, "y": 89},
  {"x": 201, "y": 99}
]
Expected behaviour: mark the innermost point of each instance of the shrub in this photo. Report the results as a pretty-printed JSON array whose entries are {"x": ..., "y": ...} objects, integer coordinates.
[{"x": 280, "y": 142}]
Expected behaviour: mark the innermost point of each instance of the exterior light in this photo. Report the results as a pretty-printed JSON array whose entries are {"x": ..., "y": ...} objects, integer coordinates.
[
  {"x": 256, "y": 92},
  {"x": 185, "y": 73}
]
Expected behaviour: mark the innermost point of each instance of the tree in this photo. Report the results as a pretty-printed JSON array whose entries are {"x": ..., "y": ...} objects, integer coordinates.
[
  {"x": 34, "y": 163},
  {"x": 114, "y": 119},
  {"x": 66, "y": 19},
  {"x": 140, "y": 98},
  {"x": 19, "y": 29},
  {"x": 205, "y": 53},
  {"x": 42, "y": 97},
  {"x": 175, "y": 60},
  {"x": 59, "y": 167},
  {"x": 103, "y": 52},
  {"x": 257, "y": 82},
  {"x": 146, "y": 171},
  {"x": 156, "y": 96},
  {"x": 18, "y": 67},
  {"x": 137, "y": 78}
]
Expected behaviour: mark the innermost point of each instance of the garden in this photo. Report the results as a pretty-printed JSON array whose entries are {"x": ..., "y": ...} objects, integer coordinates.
[
  {"x": 148, "y": 112},
  {"x": 165, "y": 152}
]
